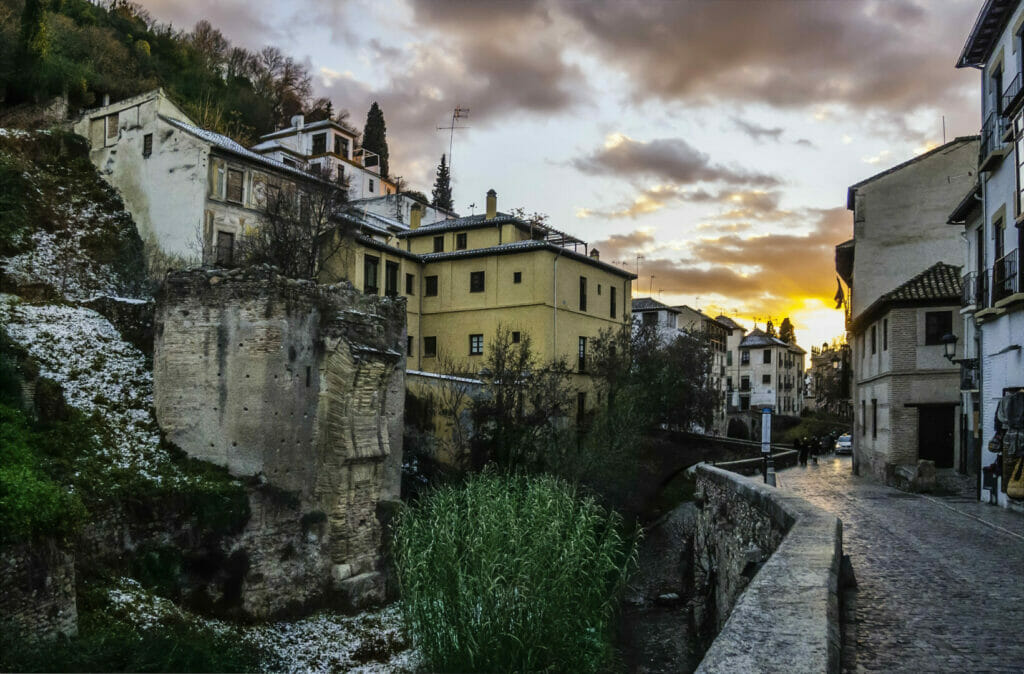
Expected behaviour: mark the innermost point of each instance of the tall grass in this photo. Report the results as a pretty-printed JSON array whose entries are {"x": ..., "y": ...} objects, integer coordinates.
[{"x": 511, "y": 573}]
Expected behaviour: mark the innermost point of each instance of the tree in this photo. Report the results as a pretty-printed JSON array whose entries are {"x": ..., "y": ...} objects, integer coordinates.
[
  {"x": 375, "y": 137},
  {"x": 786, "y": 332},
  {"x": 442, "y": 194},
  {"x": 769, "y": 329},
  {"x": 297, "y": 232}
]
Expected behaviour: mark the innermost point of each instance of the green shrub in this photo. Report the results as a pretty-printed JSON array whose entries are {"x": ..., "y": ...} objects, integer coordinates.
[{"x": 510, "y": 573}]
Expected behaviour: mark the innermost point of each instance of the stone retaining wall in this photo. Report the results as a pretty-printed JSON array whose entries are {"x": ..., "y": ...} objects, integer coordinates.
[
  {"x": 766, "y": 577},
  {"x": 37, "y": 591}
]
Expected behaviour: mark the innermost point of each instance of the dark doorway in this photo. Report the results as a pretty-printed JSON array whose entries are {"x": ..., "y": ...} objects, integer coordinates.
[{"x": 935, "y": 428}]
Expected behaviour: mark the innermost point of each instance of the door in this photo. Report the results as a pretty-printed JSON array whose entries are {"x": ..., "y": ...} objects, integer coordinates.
[{"x": 935, "y": 428}]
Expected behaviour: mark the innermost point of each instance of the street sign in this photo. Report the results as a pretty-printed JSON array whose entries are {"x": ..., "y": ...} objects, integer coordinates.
[{"x": 766, "y": 430}]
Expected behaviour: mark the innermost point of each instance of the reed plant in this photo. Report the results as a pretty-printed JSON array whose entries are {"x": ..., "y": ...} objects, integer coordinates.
[{"x": 511, "y": 573}]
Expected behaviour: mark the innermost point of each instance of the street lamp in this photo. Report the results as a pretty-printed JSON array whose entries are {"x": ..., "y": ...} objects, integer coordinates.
[
  {"x": 949, "y": 341},
  {"x": 835, "y": 362}
]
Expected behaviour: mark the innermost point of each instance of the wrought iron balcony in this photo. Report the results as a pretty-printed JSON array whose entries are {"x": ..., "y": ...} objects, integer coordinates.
[
  {"x": 1005, "y": 277},
  {"x": 1012, "y": 96},
  {"x": 969, "y": 294},
  {"x": 984, "y": 283},
  {"x": 991, "y": 141}
]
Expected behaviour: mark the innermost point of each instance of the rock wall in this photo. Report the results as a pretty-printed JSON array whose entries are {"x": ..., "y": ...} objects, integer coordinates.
[
  {"x": 299, "y": 387},
  {"x": 766, "y": 578},
  {"x": 37, "y": 591}
]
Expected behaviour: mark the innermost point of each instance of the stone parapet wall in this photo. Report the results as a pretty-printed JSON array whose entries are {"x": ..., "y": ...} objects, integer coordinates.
[
  {"x": 301, "y": 388},
  {"x": 766, "y": 577}
]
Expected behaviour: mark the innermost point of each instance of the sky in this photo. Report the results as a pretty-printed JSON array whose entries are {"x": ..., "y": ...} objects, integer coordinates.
[{"x": 705, "y": 144}]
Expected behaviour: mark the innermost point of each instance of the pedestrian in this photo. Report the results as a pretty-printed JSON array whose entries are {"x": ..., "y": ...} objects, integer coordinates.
[
  {"x": 815, "y": 446},
  {"x": 798, "y": 445}
]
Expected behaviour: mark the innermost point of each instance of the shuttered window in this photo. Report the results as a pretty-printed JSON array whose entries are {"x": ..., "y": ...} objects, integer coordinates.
[{"x": 234, "y": 186}]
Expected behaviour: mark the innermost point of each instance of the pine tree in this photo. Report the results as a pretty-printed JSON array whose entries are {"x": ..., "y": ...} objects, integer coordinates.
[
  {"x": 442, "y": 194},
  {"x": 769, "y": 329},
  {"x": 375, "y": 137},
  {"x": 786, "y": 332}
]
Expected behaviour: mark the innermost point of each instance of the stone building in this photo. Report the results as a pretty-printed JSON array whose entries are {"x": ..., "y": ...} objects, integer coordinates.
[
  {"x": 905, "y": 394},
  {"x": 828, "y": 382},
  {"x": 991, "y": 220},
  {"x": 299, "y": 389}
]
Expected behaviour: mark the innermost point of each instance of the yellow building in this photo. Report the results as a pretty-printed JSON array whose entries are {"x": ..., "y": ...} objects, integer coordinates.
[{"x": 465, "y": 277}]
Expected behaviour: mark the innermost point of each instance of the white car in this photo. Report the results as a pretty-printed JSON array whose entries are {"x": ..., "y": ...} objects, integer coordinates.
[{"x": 844, "y": 444}]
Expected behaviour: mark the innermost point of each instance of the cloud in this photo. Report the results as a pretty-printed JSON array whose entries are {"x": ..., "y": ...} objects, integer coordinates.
[
  {"x": 758, "y": 132},
  {"x": 877, "y": 159},
  {"x": 760, "y": 271},
  {"x": 805, "y": 143},
  {"x": 241, "y": 22},
  {"x": 625, "y": 247},
  {"x": 749, "y": 204},
  {"x": 894, "y": 54},
  {"x": 669, "y": 159}
]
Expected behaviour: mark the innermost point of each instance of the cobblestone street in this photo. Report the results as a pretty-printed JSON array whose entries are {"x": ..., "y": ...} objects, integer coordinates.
[{"x": 939, "y": 579}]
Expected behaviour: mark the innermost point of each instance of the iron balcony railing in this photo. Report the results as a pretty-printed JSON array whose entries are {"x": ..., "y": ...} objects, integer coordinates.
[
  {"x": 1004, "y": 276},
  {"x": 969, "y": 293},
  {"x": 1011, "y": 96},
  {"x": 984, "y": 283},
  {"x": 991, "y": 135}
]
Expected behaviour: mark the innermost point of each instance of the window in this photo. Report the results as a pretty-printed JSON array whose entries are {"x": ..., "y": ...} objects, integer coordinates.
[
  {"x": 391, "y": 279},
  {"x": 460, "y": 241},
  {"x": 429, "y": 347},
  {"x": 745, "y": 383},
  {"x": 937, "y": 324},
  {"x": 728, "y": 383},
  {"x": 147, "y": 145},
  {"x": 235, "y": 185},
  {"x": 370, "y": 266},
  {"x": 583, "y": 293},
  {"x": 612, "y": 307},
  {"x": 476, "y": 281},
  {"x": 599, "y": 289},
  {"x": 863, "y": 419},
  {"x": 516, "y": 337},
  {"x": 431, "y": 286},
  {"x": 1018, "y": 139},
  {"x": 874, "y": 339},
  {"x": 439, "y": 244},
  {"x": 744, "y": 403},
  {"x": 874, "y": 418},
  {"x": 315, "y": 168},
  {"x": 341, "y": 145},
  {"x": 650, "y": 318},
  {"x": 583, "y": 354},
  {"x": 319, "y": 143},
  {"x": 410, "y": 284},
  {"x": 112, "y": 126},
  {"x": 767, "y": 356},
  {"x": 370, "y": 186},
  {"x": 517, "y": 277},
  {"x": 225, "y": 249},
  {"x": 766, "y": 379},
  {"x": 728, "y": 357},
  {"x": 290, "y": 162},
  {"x": 476, "y": 345},
  {"x": 745, "y": 357},
  {"x": 885, "y": 334},
  {"x": 408, "y": 345}
]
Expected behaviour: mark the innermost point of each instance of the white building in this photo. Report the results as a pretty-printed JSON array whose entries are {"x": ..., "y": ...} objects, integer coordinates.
[
  {"x": 399, "y": 206},
  {"x": 901, "y": 270},
  {"x": 191, "y": 192},
  {"x": 992, "y": 215},
  {"x": 327, "y": 146},
  {"x": 649, "y": 312},
  {"x": 771, "y": 374}
]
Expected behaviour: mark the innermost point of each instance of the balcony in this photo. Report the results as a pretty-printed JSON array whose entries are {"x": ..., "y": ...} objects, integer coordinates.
[
  {"x": 1006, "y": 285},
  {"x": 1012, "y": 96},
  {"x": 969, "y": 293},
  {"x": 992, "y": 149}
]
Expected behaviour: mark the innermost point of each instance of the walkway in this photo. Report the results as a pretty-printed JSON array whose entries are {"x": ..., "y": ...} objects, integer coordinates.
[{"x": 940, "y": 580}]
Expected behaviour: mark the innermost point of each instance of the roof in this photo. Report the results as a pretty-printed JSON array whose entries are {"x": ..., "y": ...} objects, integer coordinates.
[
  {"x": 938, "y": 284},
  {"x": 545, "y": 232},
  {"x": 311, "y": 126},
  {"x": 758, "y": 337},
  {"x": 224, "y": 143},
  {"x": 989, "y": 25},
  {"x": 651, "y": 304},
  {"x": 729, "y": 323},
  {"x": 521, "y": 247},
  {"x": 852, "y": 189},
  {"x": 969, "y": 204}
]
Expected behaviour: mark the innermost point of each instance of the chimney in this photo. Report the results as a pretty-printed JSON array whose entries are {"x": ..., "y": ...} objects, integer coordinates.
[
  {"x": 415, "y": 216},
  {"x": 492, "y": 205},
  {"x": 595, "y": 254},
  {"x": 298, "y": 121},
  {"x": 106, "y": 100}
]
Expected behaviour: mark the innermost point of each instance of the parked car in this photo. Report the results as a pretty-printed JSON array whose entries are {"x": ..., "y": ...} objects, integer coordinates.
[{"x": 844, "y": 444}]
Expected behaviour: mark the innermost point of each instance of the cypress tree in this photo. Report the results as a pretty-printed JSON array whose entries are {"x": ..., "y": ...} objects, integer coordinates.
[
  {"x": 442, "y": 194},
  {"x": 34, "y": 41},
  {"x": 375, "y": 137},
  {"x": 786, "y": 332}
]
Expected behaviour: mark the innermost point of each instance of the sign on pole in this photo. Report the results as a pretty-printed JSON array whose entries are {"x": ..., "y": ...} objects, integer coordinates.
[{"x": 766, "y": 430}]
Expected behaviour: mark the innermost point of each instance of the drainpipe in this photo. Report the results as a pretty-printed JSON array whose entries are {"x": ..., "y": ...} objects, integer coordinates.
[{"x": 980, "y": 338}]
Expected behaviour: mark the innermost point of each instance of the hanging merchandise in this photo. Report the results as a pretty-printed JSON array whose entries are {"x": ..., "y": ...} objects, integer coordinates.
[
  {"x": 1015, "y": 485},
  {"x": 1010, "y": 415}
]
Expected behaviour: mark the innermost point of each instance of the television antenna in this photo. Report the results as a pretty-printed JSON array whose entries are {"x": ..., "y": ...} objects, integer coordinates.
[{"x": 457, "y": 114}]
